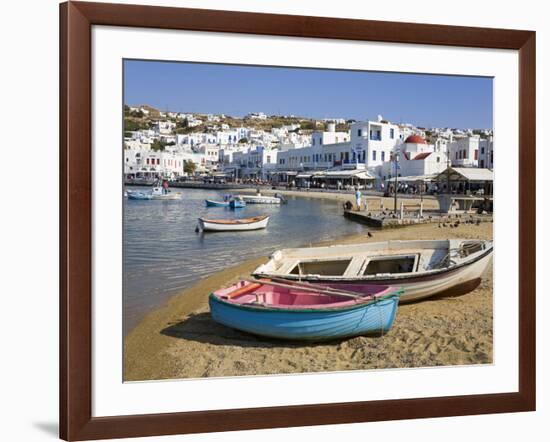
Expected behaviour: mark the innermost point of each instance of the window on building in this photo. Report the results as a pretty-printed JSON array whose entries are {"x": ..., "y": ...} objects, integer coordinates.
[
  {"x": 268, "y": 160},
  {"x": 373, "y": 155},
  {"x": 392, "y": 136},
  {"x": 482, "y": 150},
  {"x": 359, "y": 132},
  {"x": 475, "y": 154},
  {"x": 383, "y": 154}
]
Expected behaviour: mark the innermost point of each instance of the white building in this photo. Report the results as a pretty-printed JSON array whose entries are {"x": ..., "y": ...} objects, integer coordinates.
[
  {"x": 486, "y": 153},
  {"x": 415, "y": 158},
  {"x": 368, "y": 145},
  {"x": 374, "y": 141},
  {"x": 257, "y": 162},
  {"x": 150, "y": 164},
  {"x": 256, "y": 116},
  {"x": 464, "y": 151},
  {"x": 164, "y": 127},
  {"x": 211, "y": 155}
]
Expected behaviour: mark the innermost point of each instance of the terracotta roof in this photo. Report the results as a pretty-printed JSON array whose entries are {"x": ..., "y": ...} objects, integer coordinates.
[
  {"x": 415, "y": 139},
  {"x": 422, "y": 155}
]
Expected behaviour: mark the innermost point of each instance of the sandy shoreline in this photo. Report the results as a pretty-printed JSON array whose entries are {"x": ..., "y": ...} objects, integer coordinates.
[{"x": 179, "y": 340}]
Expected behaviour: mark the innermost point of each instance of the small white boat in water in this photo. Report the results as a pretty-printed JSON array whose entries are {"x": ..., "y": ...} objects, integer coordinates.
[
  {"x": 261, "y": 199},
  {"x": 157, "y": 193},
  {"x": 421, "y": 268},
  {"x": 229, "y": 225}
]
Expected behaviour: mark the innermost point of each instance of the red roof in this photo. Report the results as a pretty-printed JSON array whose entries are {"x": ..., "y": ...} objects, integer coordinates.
[
  {"x": 422, "y": 155},
  {"x": 415, "y": 139}
]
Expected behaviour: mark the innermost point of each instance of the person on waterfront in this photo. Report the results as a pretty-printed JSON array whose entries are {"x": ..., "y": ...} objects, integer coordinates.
[
  {"x": 358, "y": 198},
  {"x": 165, "y": 186}
]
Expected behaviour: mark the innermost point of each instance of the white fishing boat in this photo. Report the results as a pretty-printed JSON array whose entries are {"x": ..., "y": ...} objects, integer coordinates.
[
  {"x": 159, "y": 193},
  {"x": 261, "y": 199},
  {"x": 421, "y": 268},
  {"x": 229, "y": 225},
  {"x": 156, "y": 193}
]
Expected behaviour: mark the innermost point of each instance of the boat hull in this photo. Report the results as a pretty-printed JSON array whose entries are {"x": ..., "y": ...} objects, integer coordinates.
[
  {"x": 416, "y": 286},
  {"x": 150, "y": 196},
  {"x": 167, "y": 196},
  {"x": 139, "y": 196},
  {"x": 308, "y": 325},
  {"x": 237, "y": 204},
  {"x": 251, "y": 199},
  {"x": 208, "y": 226},
  {"x": 211, "y": 203}
]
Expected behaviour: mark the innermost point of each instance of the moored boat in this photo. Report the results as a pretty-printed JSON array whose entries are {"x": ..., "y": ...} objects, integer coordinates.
[
  {"x": 261, "y": 199},
  {"x": 157, "y": 193},
  {"x": 227, "y": 225},
  {"x": 237, "y": 203},
  {"x": 212, "y": 203},
  {"x": 139, "y": 196},
  {"x": 421, "y": 268},
  {"x": 305, "y": 311}
]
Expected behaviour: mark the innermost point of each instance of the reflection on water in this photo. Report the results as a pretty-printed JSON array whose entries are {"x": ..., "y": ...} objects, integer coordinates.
[{"x": 163, "y": 254}]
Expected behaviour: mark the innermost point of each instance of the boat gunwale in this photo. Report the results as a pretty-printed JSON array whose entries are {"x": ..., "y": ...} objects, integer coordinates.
[
  {"x": 428, "y": 274},
  {"x": 396, "y": 293}
]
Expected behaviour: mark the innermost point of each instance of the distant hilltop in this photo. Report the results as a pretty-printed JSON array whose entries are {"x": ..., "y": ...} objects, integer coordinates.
[{"x": 142, "y": 117}]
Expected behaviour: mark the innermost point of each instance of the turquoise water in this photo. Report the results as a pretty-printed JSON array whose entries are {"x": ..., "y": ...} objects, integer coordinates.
[{"x": 163, "y": 254}]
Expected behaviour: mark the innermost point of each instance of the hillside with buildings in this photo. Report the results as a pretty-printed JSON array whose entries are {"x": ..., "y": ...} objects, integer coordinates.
[{"x": 293, "y": 149}]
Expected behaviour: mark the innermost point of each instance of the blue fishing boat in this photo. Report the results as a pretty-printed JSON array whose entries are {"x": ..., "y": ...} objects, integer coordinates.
[
  {"x": 139, "y": 196},
  {"x": 212, "y": 203},
  {"x": 237, "y": 203},
  {"x": 305, "y": 312}
]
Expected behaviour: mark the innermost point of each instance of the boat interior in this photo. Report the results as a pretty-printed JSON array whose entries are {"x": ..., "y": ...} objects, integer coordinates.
[
  {"x": 371, "y": 260},
  {"x": 268, "y": 295}
]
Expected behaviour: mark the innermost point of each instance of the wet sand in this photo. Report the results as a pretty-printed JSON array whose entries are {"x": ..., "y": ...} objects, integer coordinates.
[{"x": 180, "y": 340}]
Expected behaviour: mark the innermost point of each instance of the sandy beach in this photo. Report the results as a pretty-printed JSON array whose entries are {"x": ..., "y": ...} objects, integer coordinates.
[{"x": 180, "y": 340}]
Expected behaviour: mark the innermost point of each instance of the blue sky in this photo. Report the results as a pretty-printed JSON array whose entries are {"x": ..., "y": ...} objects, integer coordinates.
[{"x": 424, "y": 100}]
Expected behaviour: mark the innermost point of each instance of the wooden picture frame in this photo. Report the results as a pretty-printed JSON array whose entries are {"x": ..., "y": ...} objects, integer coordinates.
[{"x": 76, "y": 21}]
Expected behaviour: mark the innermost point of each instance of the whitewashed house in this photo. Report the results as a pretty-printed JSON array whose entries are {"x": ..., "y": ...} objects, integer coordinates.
[
  {"x": 147, "y": 163},
  {"x": 486, "y": 153},
  {"x": 256, "y": 163},
  {"x": 164, "y": 127},
  {"x": 464, "y": 151}
]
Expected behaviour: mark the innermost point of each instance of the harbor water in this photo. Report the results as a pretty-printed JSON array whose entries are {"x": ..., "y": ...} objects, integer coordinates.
[{"x": 163, "y": 254}]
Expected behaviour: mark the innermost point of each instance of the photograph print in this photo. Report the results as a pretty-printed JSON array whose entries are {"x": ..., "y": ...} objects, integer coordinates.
[{"x": 284, "y": 220}]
